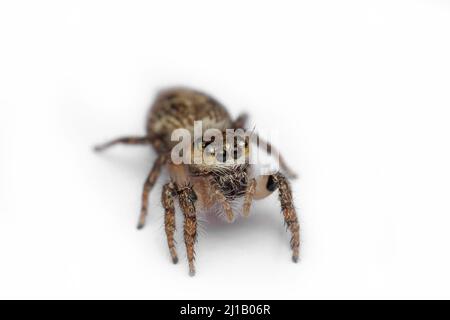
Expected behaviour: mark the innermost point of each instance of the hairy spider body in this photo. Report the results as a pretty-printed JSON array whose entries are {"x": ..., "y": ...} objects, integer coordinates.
[{"x": 201, "y": 187}]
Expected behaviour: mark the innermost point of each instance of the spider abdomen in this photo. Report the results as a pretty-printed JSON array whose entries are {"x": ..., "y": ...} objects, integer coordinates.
[{"x": 178, "y": 108}]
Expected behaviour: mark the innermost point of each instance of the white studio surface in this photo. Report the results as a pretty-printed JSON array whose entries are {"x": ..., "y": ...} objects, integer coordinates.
[{"x": 358, "y": 90}]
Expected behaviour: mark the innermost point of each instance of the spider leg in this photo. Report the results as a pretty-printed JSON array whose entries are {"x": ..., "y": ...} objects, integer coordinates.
[
  {"x": 290, "y": 216},
  {"x": 220, "y": 198},
  {"x": 271, "y": 149},
  {"x": 248, "y": 197},
  {"x": 187, "y": 198},
  {"x": 123, "y": 140},
  {"x": 240, "y": 121},
  {"x": 148, "y": 185},
  {"x": 167, "y": 197}
]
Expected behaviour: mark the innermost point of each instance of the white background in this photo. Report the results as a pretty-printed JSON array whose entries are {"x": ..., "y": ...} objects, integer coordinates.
[{"x": 359, "y": 90}]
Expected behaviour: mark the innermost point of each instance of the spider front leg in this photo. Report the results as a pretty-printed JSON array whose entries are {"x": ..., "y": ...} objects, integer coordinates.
[
  {"x": 287, "y": 206},
  {"x": 248, "y": 197},
  {"x": 220, "y": 198},
  {"x": 187, "y": 199},
  {"x": 167, "y": 197},
  {"x": 148, "y": 185}
]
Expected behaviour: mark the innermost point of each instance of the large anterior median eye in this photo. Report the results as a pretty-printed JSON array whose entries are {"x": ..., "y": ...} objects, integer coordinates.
[
  {"x": 210, "y": 150},
  {"x": 239, "y": 147},
  {"x": 221, "y": 155},
  {"x": 241, "y": 142}
]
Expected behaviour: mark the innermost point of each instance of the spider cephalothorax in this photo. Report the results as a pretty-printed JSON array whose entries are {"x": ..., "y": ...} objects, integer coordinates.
[{"x": 221, "y": 177}]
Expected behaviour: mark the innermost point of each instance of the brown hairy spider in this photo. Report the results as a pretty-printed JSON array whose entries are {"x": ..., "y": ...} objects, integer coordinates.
[{"x": 205, "y": 187}]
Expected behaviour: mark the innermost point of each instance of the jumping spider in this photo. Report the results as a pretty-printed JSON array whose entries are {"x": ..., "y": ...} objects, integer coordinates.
[{"x": 204, "y": 186}]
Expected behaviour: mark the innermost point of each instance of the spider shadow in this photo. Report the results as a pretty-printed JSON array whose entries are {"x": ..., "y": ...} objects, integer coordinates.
[{"x": 262, "y": 229}]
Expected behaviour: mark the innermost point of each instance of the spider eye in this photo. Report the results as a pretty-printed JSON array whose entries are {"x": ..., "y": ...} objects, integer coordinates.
[
  {"x": 271, "y": 184},
  {"x": 241, "y": 143},
  {"x": 221, "y": 156},
  {"x": 193, "y": 196},
  {"x": 240, "y": 147},
  {"x": 210, "y": 150}
]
